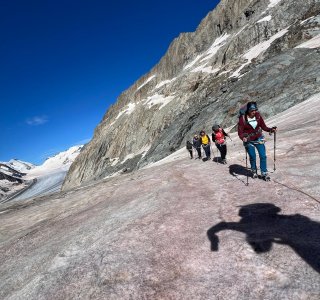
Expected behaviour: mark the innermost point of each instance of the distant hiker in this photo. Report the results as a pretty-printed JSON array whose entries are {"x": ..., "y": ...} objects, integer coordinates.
[
  {"x": 197, "y": 145},
  {"x": 205, "y": 142},
  {"x": 250, "y": 128},
  {"x": 189, "y": 147},
  {"x": 219, "y": 138}
]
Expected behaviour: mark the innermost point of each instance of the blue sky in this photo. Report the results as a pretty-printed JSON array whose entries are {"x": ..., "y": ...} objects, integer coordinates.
[{"x": 63, "y": 63}]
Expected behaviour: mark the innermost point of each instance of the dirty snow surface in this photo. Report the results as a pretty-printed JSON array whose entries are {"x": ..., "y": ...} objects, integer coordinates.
[{"x": 180, "y": 229}]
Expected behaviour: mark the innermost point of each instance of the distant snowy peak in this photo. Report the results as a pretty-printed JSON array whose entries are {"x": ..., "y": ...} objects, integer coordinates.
[
  {"x": 20, "y": 165},
  {"x": 63, "y": 158},
  {"x": 60, "y": 161}
]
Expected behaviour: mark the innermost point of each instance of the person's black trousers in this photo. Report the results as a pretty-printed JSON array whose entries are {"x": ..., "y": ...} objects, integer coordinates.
[
  {"x": 206, "y": 149},
  {"x": 199, "y": 152},
  {"x": 223, "y": 150}
]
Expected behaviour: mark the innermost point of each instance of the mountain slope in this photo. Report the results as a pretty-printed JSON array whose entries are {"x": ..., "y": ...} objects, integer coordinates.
[
  {"x": 143, "y": 235},
  {"x": 242, "y": 50}
]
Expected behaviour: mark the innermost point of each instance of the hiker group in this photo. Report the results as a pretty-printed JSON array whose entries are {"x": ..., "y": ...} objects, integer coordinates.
[{"x": 250, "y": 130}]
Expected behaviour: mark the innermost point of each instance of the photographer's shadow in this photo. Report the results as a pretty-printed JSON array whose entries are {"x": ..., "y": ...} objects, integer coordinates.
[{"x": 263, "y": 226}]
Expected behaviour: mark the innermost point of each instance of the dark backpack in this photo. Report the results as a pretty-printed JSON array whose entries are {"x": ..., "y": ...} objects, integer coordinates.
[
  {"x": 242, "y": 111},
  {"x": 189, "y": 145}
]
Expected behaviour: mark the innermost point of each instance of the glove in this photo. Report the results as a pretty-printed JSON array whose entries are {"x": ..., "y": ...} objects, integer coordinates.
[{"x": 274, "y": 129}]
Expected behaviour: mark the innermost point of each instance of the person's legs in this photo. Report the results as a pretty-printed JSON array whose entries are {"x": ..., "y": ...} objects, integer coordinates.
[
  {"x": 252, "y": 155},
  {"x": 223, "y": 152},
  {"x": 263, "y": 158},
  {"x": 207, "y": 150},
  {"x": 219, "y": 148},
  {"x": 191, "y": 153},
  {"x": 199, "y": 152}
]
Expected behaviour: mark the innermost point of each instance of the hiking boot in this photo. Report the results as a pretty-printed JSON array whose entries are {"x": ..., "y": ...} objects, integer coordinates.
[
  {"x": 254, "y": 174},
  {"x": 265, "y": 176},
  {"x": 224, "y": 161}
]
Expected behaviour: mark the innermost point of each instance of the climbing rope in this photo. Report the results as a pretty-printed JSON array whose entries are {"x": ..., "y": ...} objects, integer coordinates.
[
  {"x": 287, "y": 185},
  {"x": 293, "y": 186}
]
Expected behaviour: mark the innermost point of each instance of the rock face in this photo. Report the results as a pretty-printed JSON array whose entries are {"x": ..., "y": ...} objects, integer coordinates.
[
  {"x": 266, "y": 51},
  {"x": 178, "y": 229}
]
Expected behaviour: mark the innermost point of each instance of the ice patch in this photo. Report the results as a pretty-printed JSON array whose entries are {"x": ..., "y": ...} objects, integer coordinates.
[
  {"x": 265, "y": 19},
  {"x": 164, "y": 82},
  {"x": 114, "y": 161},
  {"x": 130, "y": 108},
  {"x": 179, "y": 154},
  {"x": 119, "y": 115},
  {"x": 243, "y": 28},
  {"x": 129, "y": 156},
  {"x": 312, "y": 43},
  {"x": 217, "y": 44},
  {"x": 225, "y": 72},
  {"x": 205, "y": 69},
  {"x": 189, "y": 65},
  {"x": 306, "y": 20},
  {"x": 142, "y": 151},
  {"x": 148, "y": 80},
  {"x": 158, "y": 99},
  {"x": 273, "y": 3}
]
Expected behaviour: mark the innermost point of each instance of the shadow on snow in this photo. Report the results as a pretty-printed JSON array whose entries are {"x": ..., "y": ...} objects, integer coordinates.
[{"x": 263, "y": 226}]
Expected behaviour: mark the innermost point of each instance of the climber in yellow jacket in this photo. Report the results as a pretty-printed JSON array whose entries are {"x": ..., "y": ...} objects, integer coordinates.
[{"x": 205, "y": 142}]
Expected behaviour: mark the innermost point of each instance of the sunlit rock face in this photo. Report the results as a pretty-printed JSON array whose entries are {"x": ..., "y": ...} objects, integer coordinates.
[{"x": 267, "y": 51}]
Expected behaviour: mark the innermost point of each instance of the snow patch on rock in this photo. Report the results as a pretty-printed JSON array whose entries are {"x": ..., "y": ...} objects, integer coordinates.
[
  {"x": 258, "y": 49},
  {"x": 164, "y": 82},
  {"x": 312, "y": 43},
  {"x": 217, "y": 44},
  {"x": 158, "y": 99},
  {"x": 273, "y": 3},
  {"x": 265, "y": 19},
  {"x": 147, "y": 81}
]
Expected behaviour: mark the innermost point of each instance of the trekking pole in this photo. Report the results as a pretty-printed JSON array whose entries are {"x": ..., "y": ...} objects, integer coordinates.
[
  {"x": 274, "y": 151},
  {"x": 247, "y": 168},
  {"x": 232, "y": 141}
]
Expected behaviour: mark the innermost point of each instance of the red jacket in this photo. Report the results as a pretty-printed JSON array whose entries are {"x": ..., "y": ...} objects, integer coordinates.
[{"x": 245, "y": 130}]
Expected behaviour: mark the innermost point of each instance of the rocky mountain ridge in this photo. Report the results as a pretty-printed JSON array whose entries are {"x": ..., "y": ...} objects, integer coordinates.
[{"x": 241, "y": 50}]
